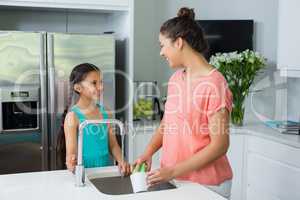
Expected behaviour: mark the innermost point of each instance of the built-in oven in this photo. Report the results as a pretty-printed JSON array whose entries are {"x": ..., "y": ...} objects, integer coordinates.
[{"x": 19, "y": 109}]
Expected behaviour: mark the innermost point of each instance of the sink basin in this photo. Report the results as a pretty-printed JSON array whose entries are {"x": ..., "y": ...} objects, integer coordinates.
[{"x": 118, "y": 185}]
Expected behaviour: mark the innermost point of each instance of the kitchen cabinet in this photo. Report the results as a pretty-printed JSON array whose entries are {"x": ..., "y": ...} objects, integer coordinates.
[
  {"x": 273, "y": 170},
  {"x": 263, "y": 168},
  {"x": 288, "y": 38},
  {"x": 71, "y": 4},
  {"x": 236, "y": 155}
]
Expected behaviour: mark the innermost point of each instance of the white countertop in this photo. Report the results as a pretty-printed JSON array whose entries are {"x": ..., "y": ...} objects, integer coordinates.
[
  {"x": 55, "y": 185},
  {"x": 260, "y": 130}
]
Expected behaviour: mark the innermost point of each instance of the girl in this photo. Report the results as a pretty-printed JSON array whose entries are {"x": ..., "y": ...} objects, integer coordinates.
[
  {"x": 99, "y": 140},
  {"x": 194, "y": 133}
]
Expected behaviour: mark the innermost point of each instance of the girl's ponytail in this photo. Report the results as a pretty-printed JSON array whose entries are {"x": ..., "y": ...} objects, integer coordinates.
[{"x": 61, "y": 139}]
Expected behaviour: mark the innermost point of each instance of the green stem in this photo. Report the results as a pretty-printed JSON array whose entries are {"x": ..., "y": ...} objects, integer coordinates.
[{"x": 237, "y": 114}]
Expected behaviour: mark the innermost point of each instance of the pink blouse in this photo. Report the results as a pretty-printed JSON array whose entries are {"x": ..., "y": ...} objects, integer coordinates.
[{"x": 185, "y": 124}]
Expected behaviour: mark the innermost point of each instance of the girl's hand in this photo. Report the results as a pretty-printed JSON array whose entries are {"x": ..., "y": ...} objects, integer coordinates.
[
  {"x": 124, "y": 168},
  {"x": 142, "y": 159},
  {"x": 71, "y": 162},
  {"x": 160, "y": 175}
]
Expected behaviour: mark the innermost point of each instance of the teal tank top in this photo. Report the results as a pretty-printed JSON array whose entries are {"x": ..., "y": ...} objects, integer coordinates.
[{"x": 95, "y": 141}]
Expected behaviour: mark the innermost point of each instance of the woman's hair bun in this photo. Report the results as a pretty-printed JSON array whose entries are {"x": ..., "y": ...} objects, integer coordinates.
[{"x": 186, "y": 12}]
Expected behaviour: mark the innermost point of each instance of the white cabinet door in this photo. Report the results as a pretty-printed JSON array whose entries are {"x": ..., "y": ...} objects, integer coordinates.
[
  {"x": 71, "y": 4},
  {"x": 236, "y": 158},
  {"x": 273, "y": 178},
  {"x": 272, "y": 170},
  {"x": 257, "y": 194},
  {"x": 288, "y": 37}
]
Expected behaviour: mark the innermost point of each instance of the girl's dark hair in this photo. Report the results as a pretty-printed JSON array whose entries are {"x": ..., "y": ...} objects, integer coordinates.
[
  {"x": 185, "y": 26},
  {"x": 77, "y": 75}
]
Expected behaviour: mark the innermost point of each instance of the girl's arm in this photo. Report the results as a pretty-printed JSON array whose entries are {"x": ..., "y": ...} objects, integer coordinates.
[
  {"x": 116, "y": 151},
  {"x": 70, "y": 127},
  {"x": 114, "y": 147},
  {"x": 219, "y": 135}
]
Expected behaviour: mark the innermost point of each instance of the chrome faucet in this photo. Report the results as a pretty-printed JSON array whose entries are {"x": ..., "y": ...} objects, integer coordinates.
[{"x": 79, "y": 169}]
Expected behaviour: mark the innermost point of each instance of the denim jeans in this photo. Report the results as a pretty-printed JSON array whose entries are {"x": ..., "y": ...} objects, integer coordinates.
[{"x": 224, "y": 189}]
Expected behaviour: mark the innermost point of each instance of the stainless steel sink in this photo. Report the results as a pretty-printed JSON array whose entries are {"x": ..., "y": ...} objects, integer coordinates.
[{"x": 122, "y": 185}]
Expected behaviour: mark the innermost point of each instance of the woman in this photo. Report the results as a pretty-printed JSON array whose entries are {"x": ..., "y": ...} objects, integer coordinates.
[{"x": 194, "y": 133}]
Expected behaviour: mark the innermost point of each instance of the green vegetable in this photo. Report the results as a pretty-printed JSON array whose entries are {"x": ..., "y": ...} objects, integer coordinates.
[
  {"x": 136, "y": 169},
  {"x": 143, "y": 168},
  {"x": 140, "y": 168},
  {"x": 143, "y": 108}
]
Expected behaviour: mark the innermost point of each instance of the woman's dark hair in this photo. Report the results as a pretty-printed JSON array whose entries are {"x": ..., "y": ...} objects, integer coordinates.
[
  {"x": 77, "y": 75},
  {"x": 185, "y": 26}
]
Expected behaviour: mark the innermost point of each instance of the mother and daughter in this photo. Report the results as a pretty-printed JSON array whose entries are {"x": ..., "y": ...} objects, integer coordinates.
[{"x": 194, "y": 132}]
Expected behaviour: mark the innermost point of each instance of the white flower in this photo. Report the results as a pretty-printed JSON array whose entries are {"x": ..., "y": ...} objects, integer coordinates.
[
  {"x": 224, "y": 59},
  {"x": 251, "y": 60}
]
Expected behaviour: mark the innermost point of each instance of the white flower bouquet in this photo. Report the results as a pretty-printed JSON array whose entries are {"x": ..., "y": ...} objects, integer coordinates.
[{"x": 239, "y": 69}]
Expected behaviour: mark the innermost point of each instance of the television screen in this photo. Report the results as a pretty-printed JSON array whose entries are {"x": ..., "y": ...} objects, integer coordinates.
[{"x": 227, "y": 35}]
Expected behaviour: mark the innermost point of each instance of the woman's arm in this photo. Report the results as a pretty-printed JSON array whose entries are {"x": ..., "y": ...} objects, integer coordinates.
[
  {"x": 155, "y": 142},
  {"x": 154, "y": 145},
  {"x": 219, "y": 134},
  {"x": 70, "y": 128}
]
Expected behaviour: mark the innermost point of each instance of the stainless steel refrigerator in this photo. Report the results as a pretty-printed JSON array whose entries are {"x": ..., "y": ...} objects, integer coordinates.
[{"x": 34, "y": 72}]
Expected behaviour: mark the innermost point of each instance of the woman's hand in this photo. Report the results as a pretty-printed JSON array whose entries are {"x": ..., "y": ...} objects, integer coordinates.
[
  {"x": 124, "y": 168},
  {"x": 143, "y": 159},
  {"x": 160, "y": 175},
  {"x": 71, "y": 162}
]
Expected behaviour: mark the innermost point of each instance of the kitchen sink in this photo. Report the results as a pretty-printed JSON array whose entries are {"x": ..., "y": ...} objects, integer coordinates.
[{"x": 118, "y": 185}]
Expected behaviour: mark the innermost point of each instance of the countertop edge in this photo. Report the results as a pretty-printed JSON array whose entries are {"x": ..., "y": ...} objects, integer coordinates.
[{"x": 268, "y": 133}]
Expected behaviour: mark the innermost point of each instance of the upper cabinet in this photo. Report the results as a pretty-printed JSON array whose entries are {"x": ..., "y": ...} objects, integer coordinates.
[
  {"x": 288, "y": 38},
  {"x": 71, "y": 4}
]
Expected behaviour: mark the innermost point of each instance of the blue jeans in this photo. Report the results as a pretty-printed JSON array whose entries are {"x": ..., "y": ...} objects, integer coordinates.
[{"x": 224, "y": 189}]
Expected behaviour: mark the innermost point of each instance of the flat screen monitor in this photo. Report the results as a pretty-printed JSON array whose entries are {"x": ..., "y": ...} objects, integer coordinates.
[{"x": 227, "y": 35}]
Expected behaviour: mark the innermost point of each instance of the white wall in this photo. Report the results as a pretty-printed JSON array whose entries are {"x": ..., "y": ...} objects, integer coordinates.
[
  {"x": 265, "y": 22},
  {"x": 265, "y": 33},
  {"x": 264, "y": 14},
  {"x": 148, "y": 65},
  {"x": 146, "y": 29}
]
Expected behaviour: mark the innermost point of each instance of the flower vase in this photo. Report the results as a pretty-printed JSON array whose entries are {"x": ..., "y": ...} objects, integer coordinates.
[{"x": 237, "y": 114}]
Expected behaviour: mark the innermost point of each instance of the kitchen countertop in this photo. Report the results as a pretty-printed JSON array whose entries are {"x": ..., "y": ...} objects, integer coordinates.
[
  {"x": 260, "y": 130},
  {"x": 60, "y": 184},
  {"x": 250, "y": 127}
]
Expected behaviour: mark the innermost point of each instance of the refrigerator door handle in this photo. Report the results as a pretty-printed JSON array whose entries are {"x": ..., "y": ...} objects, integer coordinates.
[
  {"x": 43, "y": 104},
  {"x": 52, "y": 99},
  {"x": 1, "y": 117},
  {"x": 51, "y": 71}
]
